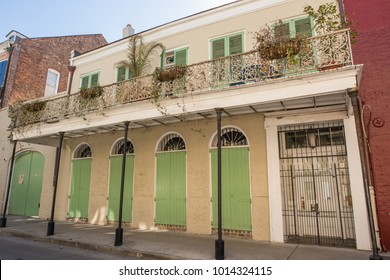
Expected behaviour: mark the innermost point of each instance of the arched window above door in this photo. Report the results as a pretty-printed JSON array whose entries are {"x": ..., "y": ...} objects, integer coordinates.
[
  {"x": 171, "y": 142},
  {"x": 230, "y": 136},
  {"x": 83, "y": 151},
  {"x": 119, "y": 147}
]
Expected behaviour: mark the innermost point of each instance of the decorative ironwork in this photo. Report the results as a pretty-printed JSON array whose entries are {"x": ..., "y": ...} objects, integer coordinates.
[
  {"x": 83, "y": 151},
  {"x": 231, "y": 137},
  {"x": 317, "y": 200},
  {"x": 172, "y": 142},
  {"x": 120, "y": 146},
  {"x": 319, "y": 53}
]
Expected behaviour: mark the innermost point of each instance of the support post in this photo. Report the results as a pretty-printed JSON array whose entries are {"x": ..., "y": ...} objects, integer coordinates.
[
  {"x": 119, "y": 229},
  {"x": 365, "y": 170},
  {"x": 51, "y": 223},
  {"x": 3, "y": 220},
  {"x": 219, "y": 243}
]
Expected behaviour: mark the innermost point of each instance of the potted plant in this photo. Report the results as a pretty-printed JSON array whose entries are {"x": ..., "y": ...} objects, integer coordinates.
[
  {"x": 275, "y": 43},
  {"x": 91, "y": 93},
  {"x": 35, "y": 106},
  {"x": 170, "y": 74}
]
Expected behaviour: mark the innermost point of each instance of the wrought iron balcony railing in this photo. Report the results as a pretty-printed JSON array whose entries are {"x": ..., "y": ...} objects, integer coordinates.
[{"x": 316, "y": 54}]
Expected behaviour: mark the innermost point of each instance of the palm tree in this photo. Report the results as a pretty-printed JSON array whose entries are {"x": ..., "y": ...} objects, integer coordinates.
[{"x": 140, "y": 55}]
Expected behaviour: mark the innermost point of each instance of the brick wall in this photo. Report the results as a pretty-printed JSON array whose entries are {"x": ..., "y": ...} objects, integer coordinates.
[
  {"x": 31, "y": 59},
  {"x": 372, "y": 21}
]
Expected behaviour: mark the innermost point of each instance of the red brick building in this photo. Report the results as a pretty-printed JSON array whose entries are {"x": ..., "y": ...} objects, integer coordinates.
[
  {"x": 39, "y": 66},
  {"x": 371, "y": 19}
]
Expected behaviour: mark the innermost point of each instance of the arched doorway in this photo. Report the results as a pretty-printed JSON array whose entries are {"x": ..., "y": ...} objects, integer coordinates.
[
  {"x": 80, "y": 182},
  {"x": 236, "y": 197},
  {"x": 27, "y": 184},
  {"x": 115, "y": 182},
  {"x": 171, "y": 181}
]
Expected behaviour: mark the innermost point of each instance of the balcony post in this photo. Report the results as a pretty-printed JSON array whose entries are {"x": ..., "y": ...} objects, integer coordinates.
[
  {"x": 219, "y": 243},
  {"x": 119, "y": 229},
  {"x": 51, "y": 223},
  {"x": 3, "y": 220}
]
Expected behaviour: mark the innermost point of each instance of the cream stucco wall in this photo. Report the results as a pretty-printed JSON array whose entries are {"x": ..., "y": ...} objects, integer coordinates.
[
  {"x": 197, "y": 39},
  {"x": 197, "y": 135}
]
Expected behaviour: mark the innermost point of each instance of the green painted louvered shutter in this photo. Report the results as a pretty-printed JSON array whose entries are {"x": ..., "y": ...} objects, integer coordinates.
[
  {"x": 121, "y": 74},
  {"x": 171, "y": 189},
  {"x": 303, "y": 27},
  {"x": 20, "y": 179},
  {"x": 218, "y": 48},
  {"x": 114, "y": 188},
  {"x": 95, "y": 80},
  {"x": 34, "y": 184},
  {"x": 236, "y": 209},
  {"x": 235, "y": 44},
  {"x": 283, "y": 30},
  {"x": 84, "y": 82},
  {"x": 80, "y": 185},
  {"x": 181, "y": 57}
]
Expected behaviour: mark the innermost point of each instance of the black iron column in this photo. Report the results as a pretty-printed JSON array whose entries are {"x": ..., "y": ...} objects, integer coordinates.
[
  {"x": 365, "y": 170},
  {"x": 119, "y": 229},
  {"x": 51, "y": 223},
  {"x": 219, "y": 243},
  {"x": 3, "y": 220}
]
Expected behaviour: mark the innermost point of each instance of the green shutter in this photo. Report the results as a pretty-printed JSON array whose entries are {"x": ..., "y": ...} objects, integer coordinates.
[
  {"x": 181, "y": 57},
  {"x": 235, "y": 44},
  {"x": 114, "y": 188},
  {"x": 84, "y": 82},
  {"x": 80, "y": 185},
  {"x": 121, "y": 73},
  {"x": 27, "y": 184},
  {"x": 218, "y": 48},
  {"x": 95, "y": 80},
  {"x": 303, "y": 27},
  {"x": 171, "y": 188},
  {"x": 236, "y": 209}
]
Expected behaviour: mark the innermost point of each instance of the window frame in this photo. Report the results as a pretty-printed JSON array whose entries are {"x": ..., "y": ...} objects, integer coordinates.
[
  {"x": 127, "y": 73},
  {"x": 174, "y": 51},
  {"x": 58, "y": 74},
  {"x": 291, "y": 25},
  {"x": 226, "y": 43},
  {"x": 89, "y": 75}
]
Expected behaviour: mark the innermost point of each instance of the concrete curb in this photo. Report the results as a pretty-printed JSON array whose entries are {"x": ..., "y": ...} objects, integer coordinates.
[{"x": 89, "y": 246}]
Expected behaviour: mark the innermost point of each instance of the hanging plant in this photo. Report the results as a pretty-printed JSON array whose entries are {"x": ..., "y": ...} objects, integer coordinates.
[
  {"x": 35, "y": 106},
  {"x": 170, "y": 74}
]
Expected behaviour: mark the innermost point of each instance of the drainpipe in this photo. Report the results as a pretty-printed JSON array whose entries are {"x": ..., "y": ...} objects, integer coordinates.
[
  {"x": 3, "y": 220},
  {"x": 355, "y": 100},
  {"x": 119, "y": 229},
  {"x": 51, "y": 223},
  {"x": 342, "y": 12},
  {"x": 219, "y": 243},
  {"x": 10, "y": 50}
]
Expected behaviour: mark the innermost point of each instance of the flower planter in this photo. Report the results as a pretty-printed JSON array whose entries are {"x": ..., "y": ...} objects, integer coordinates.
[
  {"x": 171, "y": 74},
  {"x": 35, "y": 106},
  {"x": 90, "y": 93}
]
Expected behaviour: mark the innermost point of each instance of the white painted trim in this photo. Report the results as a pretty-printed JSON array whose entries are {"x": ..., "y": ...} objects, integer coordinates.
[
  {"x": 356, "y": 177},
  {"x": 360, "y": 214}
]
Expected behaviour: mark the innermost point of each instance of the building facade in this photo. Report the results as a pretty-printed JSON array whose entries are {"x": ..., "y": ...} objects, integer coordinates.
[
  {"x": 291, "y": 170},
  {"x": 33, "y": 68},
  {"x": 371, "y": 49}
]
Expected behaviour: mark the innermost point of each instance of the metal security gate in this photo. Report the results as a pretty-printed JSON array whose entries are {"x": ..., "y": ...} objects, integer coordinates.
[{"x": 317, "y": 201}]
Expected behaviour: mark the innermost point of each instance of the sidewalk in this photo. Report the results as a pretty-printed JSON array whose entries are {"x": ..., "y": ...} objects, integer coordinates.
[{"x": 145, "y": 244}]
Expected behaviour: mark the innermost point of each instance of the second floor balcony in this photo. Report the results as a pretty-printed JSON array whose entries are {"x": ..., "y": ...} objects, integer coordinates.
[{"x": 320, "y": 54}]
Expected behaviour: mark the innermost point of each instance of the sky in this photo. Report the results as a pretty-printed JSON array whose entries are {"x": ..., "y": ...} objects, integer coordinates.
[{"x": 45, "y": 18}]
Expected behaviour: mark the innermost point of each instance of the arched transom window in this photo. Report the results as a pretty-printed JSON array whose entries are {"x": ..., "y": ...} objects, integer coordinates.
[
  {"x": 119, "y": 147},
  {"x": 171, "y": 142},
  {"x": 83, "y": 151},
  {"x": 231, "y": 137}
]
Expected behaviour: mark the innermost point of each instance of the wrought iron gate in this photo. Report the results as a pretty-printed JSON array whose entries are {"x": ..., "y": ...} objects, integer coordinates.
[{"x": 317, "y": 201}]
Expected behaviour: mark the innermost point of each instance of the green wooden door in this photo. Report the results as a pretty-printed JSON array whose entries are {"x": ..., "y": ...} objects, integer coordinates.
[
  {"x": 27, "y": 184},
  {"x": 236, "y": 208},
  {"x": 171, "y": 188},
  {"x": 79, "y": 189},
  {"x": 114, "y": 188}
]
